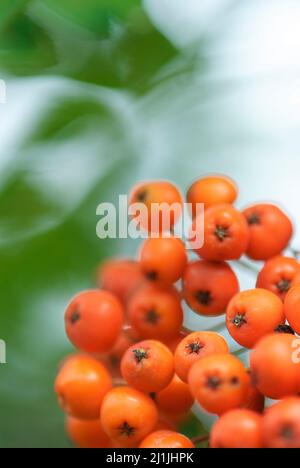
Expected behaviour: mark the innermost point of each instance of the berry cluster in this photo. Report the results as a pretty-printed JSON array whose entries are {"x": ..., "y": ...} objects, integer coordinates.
[{"x": 138, "y": 371}]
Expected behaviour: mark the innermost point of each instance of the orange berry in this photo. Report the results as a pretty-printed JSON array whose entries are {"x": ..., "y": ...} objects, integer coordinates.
[
  {"x": 163, "y": 426},
  {"x": 166, "y": 439},
  {"x": 148, "y": 366},
  {"x": 212, "y": 190},
  {"x": 162, "y": 200},
  {"x": 164, "y": 259},
  {"x": 292, "y": 308},
  {"x": 253, "y": 314},
  {"x": 87, "y": 434},
  {"x": 209, "y": 286},
  {"x": 175, "y": 398},
  {"x": 196, "y": 346},
  {"x": 274, "y": 372},
  {"x": 219, "y": 383},
  {"x": 270, "y": 231},
  {"x": 256, "y": 400},
  {"x": 281, "y": 425},
  {"x": 120, "y": 277},
  {"x": 94, "y": 320},
  {"x": 81, "y": 385},
  {"x": 226, "y": 234},
  {"x": 156, "y": 313},
  {"x": 278, "y": 275},
  {"x": 238, "y": 429},
  {"x": 173, "y": 344},
  {"x": 128, "y": 416}
]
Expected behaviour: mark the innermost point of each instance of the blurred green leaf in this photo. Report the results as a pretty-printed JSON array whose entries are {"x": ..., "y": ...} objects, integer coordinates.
[
  {"x": 94, "y": 15},
  {"x": 10, "y": 8},
  {"x": 69, "y": 117},
  {"x": 26, "y": 48}
]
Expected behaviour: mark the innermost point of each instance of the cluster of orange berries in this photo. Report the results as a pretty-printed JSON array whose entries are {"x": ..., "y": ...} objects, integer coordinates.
[{"x": 139, "y": 371}]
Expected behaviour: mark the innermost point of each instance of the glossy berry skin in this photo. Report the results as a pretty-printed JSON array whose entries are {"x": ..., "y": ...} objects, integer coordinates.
[
  {"x": 212, "y": 190},
  {"x": 94, "y": 321},
  {"x": 87, "y": 434},
  {"x": 292, "y": 308},
  {"x": 175, "y": 398},
  {"x": 166, "y": 440},
  {"x": 270, "y": 231},
  {"x": 81, "y": 385},
  {"x": 219, "y": 383},
  {"x": 209, "y": 286},
  {"x": 253, "y": 314},
  {"x": 148, "y": 366},
  {"x": 163, "y": 260},
  {"x": 154, "y": 193},
  {"x": 128, "y": 416},
  {"x": 278, "y": 275},
  {"x": 120, "y": 277},
  {"x": 226, "y": 234},
  {"x": 238, "y": 429},
  {"x": 281, "y": 425},
  {"x": 196, "y": 346},
  {"x": 156, "y": 313},
  {"x": 273, "y": 370}
]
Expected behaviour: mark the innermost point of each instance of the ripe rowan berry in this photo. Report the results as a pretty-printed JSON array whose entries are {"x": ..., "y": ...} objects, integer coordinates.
[
  {"x": 175, "y": 398},
  {"x": 81, "y": 385},
  {"x": 120, "y": 277},
  {"x": 156, "y": 313},
  {"x": 162, "y": 200},
  {"x": 278, "y": 275},
  {"x": 163, "y": 426},
  {"x": 94, "y": 320},
  {"x": 212, "y": 190},
  {"x": 165, "y": 440},
  {"x": 173, "y": 344},
  {"x": 87, "y": 434},
  {"x": 281, "y": 425},
  {"x": 148, "y": 366},
  {"x": 196, "y": 346},
  {"x": 238, "y": 429},
  {"x": 256, "y": 400},
  {"x": 226, "y": 234},
  {"x": 270, "y": 231},
  {"x": 163, "y": 259},
  {"x": 128, "y": 416},
  {"x": 253, "y": 314},
  {"x": 273, "y": 370},
  {"x": 112, "y": 359},
  {"x": 292, "y": 308},
  {"x": 219, "y": 383},
  {"x": 209, "y": 286}
]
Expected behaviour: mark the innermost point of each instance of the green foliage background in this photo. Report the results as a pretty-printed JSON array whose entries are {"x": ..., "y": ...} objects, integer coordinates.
[{"x": 106, "y": 50}]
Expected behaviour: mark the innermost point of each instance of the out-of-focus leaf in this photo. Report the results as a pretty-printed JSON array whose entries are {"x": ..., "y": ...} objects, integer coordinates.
[
  {"x": 130, "y": 60},
  {"x": 10, "y": 8},
  {"x": 70, "y": 117},
  {"x": 94, "y": 15},
  {"x": 25, "y": 48}
]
